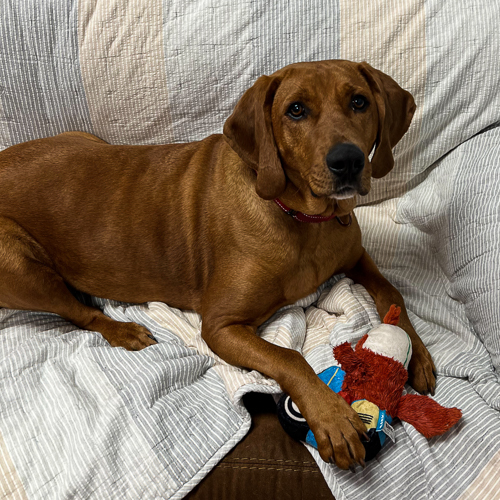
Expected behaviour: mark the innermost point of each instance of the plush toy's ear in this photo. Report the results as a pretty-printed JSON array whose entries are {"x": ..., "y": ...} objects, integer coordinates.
[
  {"x": 249, "y": 132},
  {"x": 395, "y": 108},
  {"x": 426, "y": 415}
]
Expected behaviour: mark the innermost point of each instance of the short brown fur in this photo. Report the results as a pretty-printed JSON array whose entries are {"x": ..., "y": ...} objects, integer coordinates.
[{"x": 194, "y": 225}]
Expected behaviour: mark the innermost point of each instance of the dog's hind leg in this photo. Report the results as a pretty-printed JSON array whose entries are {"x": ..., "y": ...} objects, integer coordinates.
[{"x": 28, "y": 281}]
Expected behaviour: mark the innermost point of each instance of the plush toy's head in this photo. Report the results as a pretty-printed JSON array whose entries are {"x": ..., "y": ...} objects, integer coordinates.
[{"x": 371, "y": 379}]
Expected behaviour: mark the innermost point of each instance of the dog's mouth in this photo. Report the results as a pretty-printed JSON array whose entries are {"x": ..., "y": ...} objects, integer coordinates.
[
  {"x": 344, "y": 193},
  {"x": 335, "y": 188}
]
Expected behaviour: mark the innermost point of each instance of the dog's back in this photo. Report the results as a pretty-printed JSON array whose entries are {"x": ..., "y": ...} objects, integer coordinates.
[{"x": 79, "y": 203}]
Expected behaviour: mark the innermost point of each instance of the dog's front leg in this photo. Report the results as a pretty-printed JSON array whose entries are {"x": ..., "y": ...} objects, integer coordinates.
[
  {"x": 336, "y": 426},
  {"x": 421, "y": 371}
]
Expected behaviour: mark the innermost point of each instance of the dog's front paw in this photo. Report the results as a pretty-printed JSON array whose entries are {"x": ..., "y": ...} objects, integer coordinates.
[
  {"x": 421, "y": 370},
  {"x": 337, "y": 430}
]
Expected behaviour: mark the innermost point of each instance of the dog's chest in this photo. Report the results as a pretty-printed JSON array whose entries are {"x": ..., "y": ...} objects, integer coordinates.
[{"x": 319, "y": 257}]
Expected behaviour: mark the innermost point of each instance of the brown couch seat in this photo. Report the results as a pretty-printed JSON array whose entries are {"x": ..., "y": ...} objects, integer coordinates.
[{"x": 266, "y": 464}]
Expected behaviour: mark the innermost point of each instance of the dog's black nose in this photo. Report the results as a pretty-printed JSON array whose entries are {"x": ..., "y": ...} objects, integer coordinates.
[{"x": 345, "y": 158}]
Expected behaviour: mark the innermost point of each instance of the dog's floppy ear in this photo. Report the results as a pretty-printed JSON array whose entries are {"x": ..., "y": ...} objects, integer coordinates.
[
  {"x": 249, "y": 131},
  {"x": 395, "y": 110}
]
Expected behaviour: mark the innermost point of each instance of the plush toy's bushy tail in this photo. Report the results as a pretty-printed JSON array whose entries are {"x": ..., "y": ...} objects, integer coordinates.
[{"x": 426, "y": 415}]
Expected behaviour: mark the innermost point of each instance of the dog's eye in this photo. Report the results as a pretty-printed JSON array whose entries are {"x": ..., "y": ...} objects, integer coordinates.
[
  {"x": 296, "y": 110},
  {"x": 359, "y": 103}
]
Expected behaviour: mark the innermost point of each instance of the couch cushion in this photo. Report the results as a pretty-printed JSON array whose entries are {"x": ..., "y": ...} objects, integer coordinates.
[{"x": 266, "y": 464}]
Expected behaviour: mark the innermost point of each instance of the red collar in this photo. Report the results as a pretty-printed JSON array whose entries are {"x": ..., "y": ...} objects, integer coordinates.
[{"x": 301, "y": 217}]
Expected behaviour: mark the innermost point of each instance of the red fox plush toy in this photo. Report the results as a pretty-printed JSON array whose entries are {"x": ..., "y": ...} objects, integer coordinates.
[{"x": 371, "y": 379}]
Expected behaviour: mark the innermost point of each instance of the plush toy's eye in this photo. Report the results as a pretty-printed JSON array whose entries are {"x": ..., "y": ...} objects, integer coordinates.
[
  {"x": 296, "y": 110},
  {"x": 359, "y": 102}
]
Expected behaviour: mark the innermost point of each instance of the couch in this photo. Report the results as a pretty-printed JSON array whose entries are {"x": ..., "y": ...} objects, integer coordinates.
[{"x": 79, "y": 419}]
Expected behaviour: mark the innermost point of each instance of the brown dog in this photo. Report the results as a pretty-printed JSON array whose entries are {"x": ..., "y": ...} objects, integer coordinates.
[{"x": 216, "y": 225}]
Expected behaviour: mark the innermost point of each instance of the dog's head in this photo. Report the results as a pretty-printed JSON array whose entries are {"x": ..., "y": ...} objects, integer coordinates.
[{"x": 315, "y": 125}]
